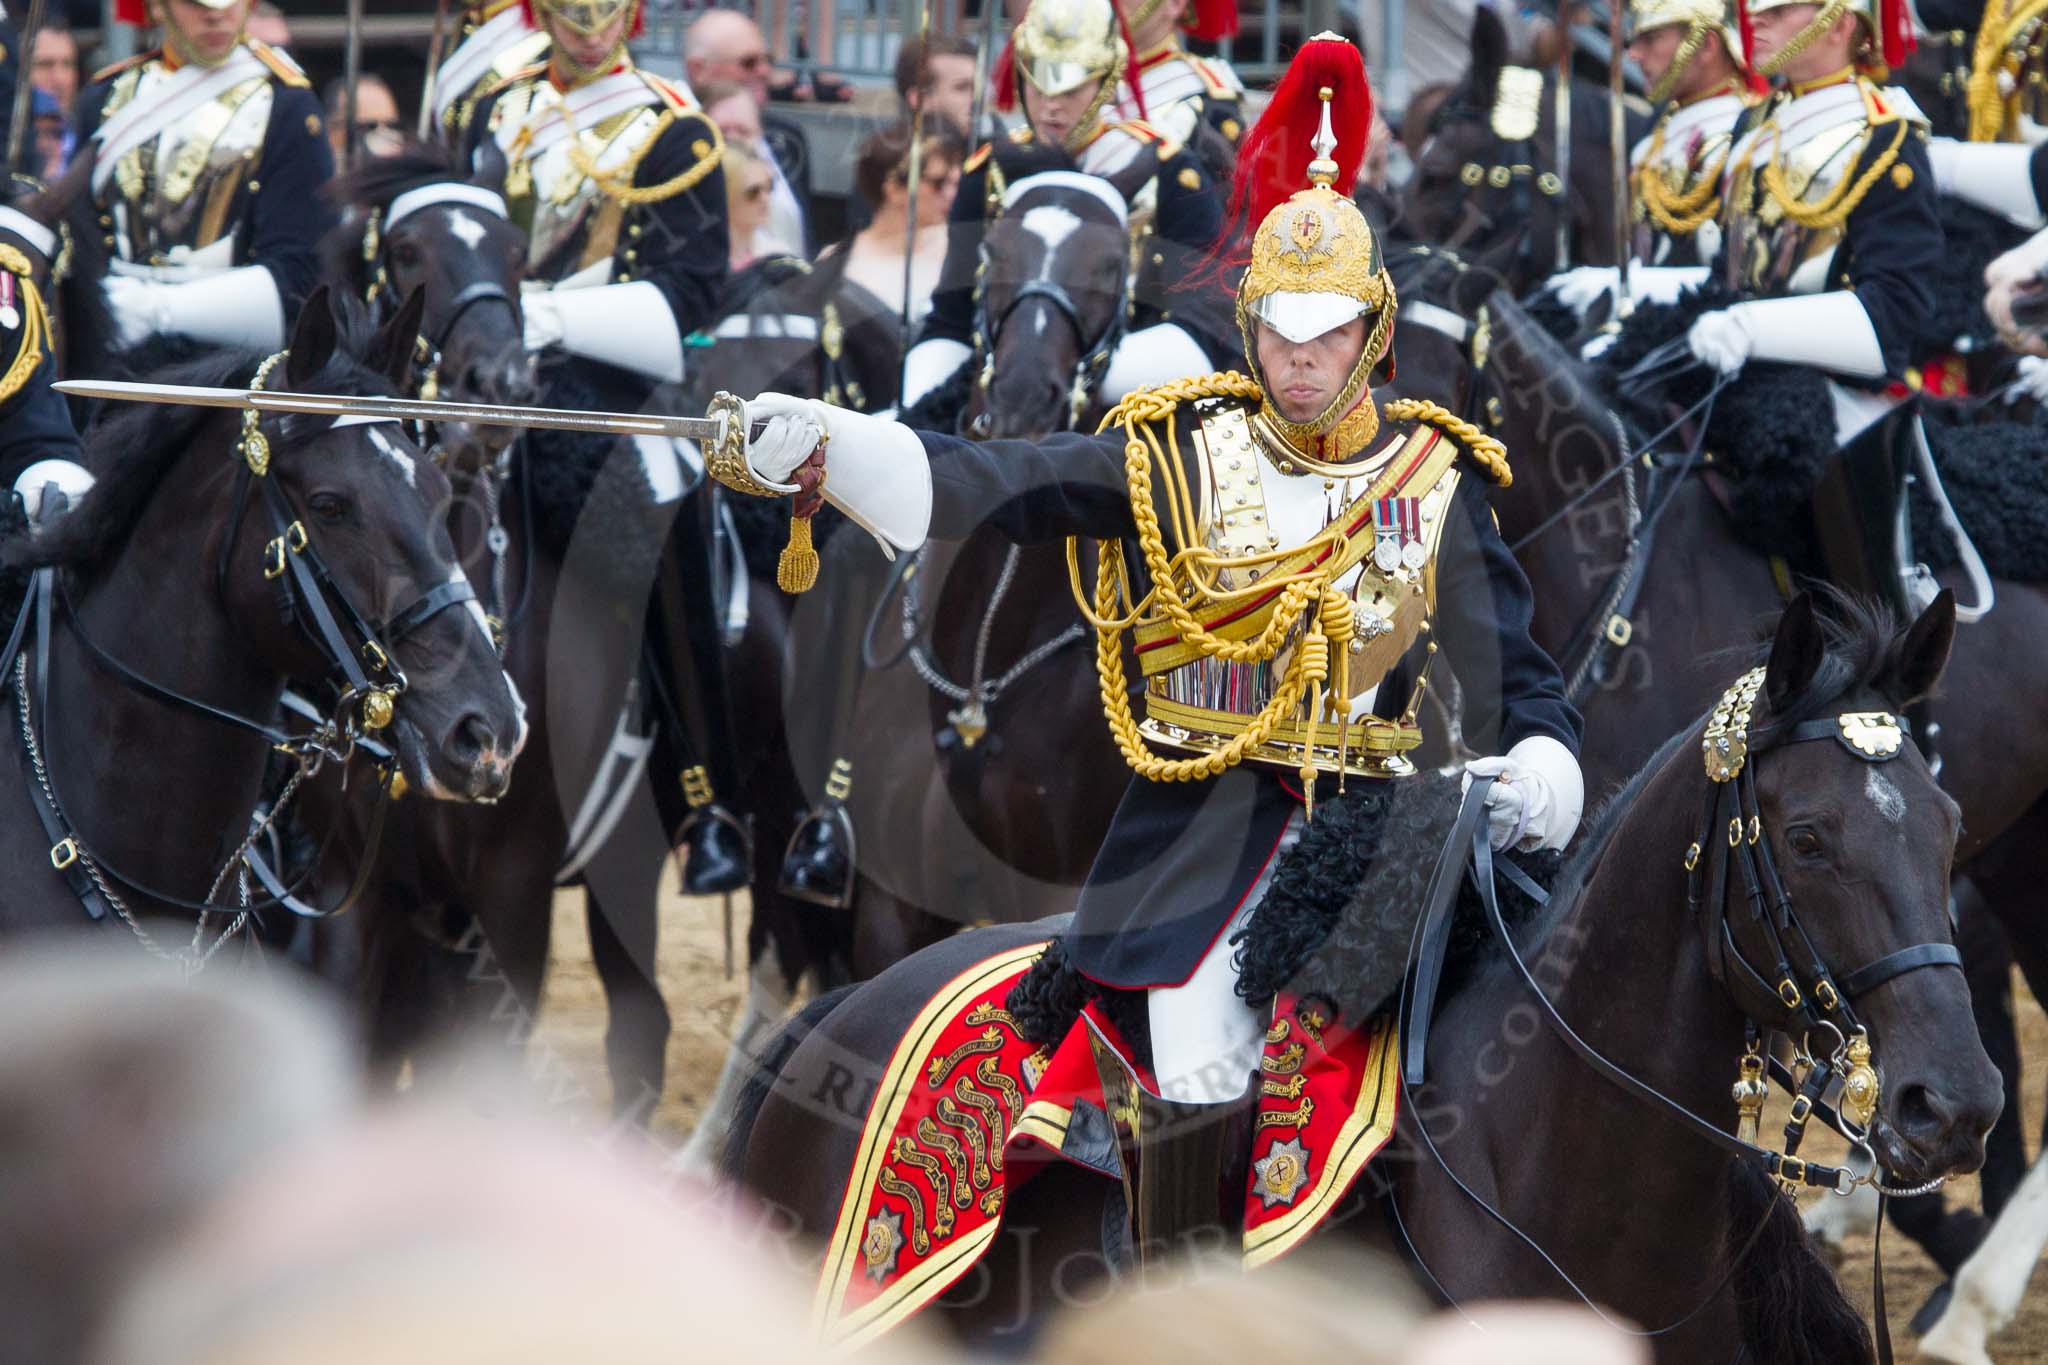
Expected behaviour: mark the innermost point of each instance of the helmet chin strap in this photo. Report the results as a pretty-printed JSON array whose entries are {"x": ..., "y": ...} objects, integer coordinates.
[
  {"x": 575, "y": 73},
  {"x": 181, "y": 45}
]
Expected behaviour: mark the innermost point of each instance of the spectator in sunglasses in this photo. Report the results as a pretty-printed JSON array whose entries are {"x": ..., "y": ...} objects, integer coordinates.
[
  {"x": 378, "y": 129},
  {"x": 725, "y": 46},
  {"x": 749, "y": 185}
]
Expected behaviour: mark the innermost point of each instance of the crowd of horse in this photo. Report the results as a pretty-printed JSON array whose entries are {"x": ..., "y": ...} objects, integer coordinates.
[{"x": 193, "y": 570}]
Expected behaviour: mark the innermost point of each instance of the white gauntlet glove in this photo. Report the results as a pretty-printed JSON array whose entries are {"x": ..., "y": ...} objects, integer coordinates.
[
  {"x": 2030, "y": 382},
  {"x": 1537, "y": 800},
  {"x": 876, "y": 469},
  {"x": 1720, "y": 341},
  {"x": 790, "y": 429},
  {"x": 1582, "y": 286}
]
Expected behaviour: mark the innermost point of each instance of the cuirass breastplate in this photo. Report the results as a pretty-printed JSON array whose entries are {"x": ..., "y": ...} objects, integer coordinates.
[
  {"x": 190, "y": 185},
  {"x": 1768, "y": 252},
  {"x": 571, "y": 223},
  {"x": 1393, "y": 511}
]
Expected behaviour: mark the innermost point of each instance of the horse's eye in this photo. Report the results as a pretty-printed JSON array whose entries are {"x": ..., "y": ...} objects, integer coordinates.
[
  {"x": 1803, "y": 840},
  {"x": 329, "y": 507},
  {"x": 405, "y": 255}
]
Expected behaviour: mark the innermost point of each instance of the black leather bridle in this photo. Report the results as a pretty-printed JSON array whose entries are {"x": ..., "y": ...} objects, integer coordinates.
[
  {"x": 1096, "y": 353},
  {"x": 1798, "y": 990},
  {"x": 360, "y": 662}
]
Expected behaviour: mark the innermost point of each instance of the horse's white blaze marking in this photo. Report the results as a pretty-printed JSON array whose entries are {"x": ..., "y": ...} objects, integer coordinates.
[
  {"x": 1051, "y": 224},
  {"x": 476, "y": 609},
  {"x": 396, "y": 456},
  {"x": 467, "y": 228},
  {"x": 1886, "y": 797},
  {"x": 1992, "y": 1282}
]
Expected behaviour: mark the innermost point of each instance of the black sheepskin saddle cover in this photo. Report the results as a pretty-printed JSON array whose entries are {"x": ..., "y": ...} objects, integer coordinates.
[
  {"x": 1337, "y": 922},
  {"x": 589, "y": 490},
  {"x": 1772, "y": 433}
]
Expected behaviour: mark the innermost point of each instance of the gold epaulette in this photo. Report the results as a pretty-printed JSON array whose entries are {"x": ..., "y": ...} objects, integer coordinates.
[
  {"x": 34, "y": 337},
  {"x": 671, "y": 97},
  {"x": 1483, "y": 450},
  {"x": 524, "y": 73},
  {"x": 977, "y": 159},
  {"x": 281, "y": 66},
  {"x": 1206, "y": 68},
  {"x": 1141, "y": 130},
  {"x": 1020, "y": 135},
  {"x": 127, "y": 64}
]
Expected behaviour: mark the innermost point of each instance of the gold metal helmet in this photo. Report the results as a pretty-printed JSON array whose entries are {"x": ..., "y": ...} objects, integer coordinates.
[
  {"x": 590, "y": 17},
  {"x": 1701, "y": 19},
  {"x": 1887, "y": 32},
  {"x": 1063, "y": 44},
  {"x": 1316, "y": 265}
]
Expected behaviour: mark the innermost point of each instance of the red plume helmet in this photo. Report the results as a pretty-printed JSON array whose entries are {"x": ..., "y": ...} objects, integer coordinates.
[
  {"x": 1897, "y": 38},
  {"x": 131, "y": 12},
  {"x": 1209, "y": 20},
  {"x": 1748, "y": 32},
  {"x": 1272, "y": 162},
  {"x": 1006, "y": 74},
  {"x": 1004, "y": 87}
]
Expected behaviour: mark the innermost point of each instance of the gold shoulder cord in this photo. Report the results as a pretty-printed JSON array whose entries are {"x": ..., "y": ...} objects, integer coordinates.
[
  {"x": 617, "y": 183},
  {"x": 1680, "y": 212},
  {"x": 1112, "y": 610},
  {"x": 35, "y": 324},
  {"x": 1992, "y": 112},
  {"x": 1835, "y": 206}
]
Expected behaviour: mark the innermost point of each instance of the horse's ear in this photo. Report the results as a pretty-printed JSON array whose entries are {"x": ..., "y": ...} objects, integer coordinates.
[
  {"x": 1923, "y": 652},
  {"x": 487, "y": 166},
  {"x": 390, "y": 350},
  {"x": 49, "y": 206},
  {"x": 1796, "y": 653},
  {"x": 1489, "y": 55},
  {"x": 312, "y": 340}
]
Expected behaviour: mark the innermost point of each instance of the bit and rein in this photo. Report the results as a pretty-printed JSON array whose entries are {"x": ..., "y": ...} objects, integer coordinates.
[
  {"x": 1797, "y": 990},
  {"x": 368, "y": 674}
]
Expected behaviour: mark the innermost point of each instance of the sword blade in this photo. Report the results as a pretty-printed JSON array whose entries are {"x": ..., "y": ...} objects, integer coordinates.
[{"x": 403, "y": 409}]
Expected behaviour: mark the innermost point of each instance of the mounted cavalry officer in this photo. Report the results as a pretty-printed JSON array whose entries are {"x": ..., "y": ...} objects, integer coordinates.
[
  {"x": 1691, "y": 53},
  {"x": 1829, "y": 248},
  {"x": 1306, "y": 553},
  {"x": 615, "y": 175},
  {"x": 1067, "y": 59},
  {"x": 499, "y": 40},
  {"x": 210, "y": 158},
  {"x": 1176, "y": 91}
]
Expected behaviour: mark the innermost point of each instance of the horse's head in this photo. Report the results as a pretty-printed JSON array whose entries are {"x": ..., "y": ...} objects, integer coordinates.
[
  {"x": 1052, "y": 301},
  {"x": 1437, "y": 335},
  {"x": 346, "y": 527},
  {"x": 1486, "y": 176},
  {"x": 447, "y": 236},
  {"x": 1859, "y": 834}
]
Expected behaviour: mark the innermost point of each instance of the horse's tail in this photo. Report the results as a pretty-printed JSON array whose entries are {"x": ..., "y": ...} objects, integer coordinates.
[
  {"x": 1792, "y": 1308},
  {"x": 732, "y": 1159}
]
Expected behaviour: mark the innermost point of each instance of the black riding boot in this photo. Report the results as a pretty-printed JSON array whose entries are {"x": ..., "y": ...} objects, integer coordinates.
[
  {"x": 1866, "y": 540},
  {"x": 819, "y": 864},
  {"x": 690, "y": 692},
  {"x": 1191, "y": 1174}
]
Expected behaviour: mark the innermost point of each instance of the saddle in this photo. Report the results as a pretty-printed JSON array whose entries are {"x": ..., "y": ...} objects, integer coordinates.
[{"x": 969, "y": 1111}]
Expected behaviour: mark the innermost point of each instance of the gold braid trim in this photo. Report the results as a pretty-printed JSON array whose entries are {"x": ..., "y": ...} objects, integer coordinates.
[
  {"x": 35, "y": 324},
  {"x": 1991, "y": 111},
  {"x": 1680, "y": 212},
  {"x": 1840, "y": 202},
  {"x": 617, "y": 183},
  {"x": 1308, "y": 598}
]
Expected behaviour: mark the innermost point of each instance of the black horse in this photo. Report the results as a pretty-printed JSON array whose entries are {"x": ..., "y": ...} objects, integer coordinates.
[
  {"x": 1521, "y": 1132},
  {"x": 1487, "y": 181},
  {"x": 189, "y": 584},
  {"x": 1589, "y": 521}
]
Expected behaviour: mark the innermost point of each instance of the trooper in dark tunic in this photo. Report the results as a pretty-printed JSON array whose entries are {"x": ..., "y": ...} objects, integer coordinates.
[
  {"x": 615, "y": 175},
  {"x": 1196, "y": 101},
  {"x": 1069, "y": 57},
  {"x": 1369, "y": 527},
  {"x": 211, "y": 157},
  {"x": 35, "y": 421}
]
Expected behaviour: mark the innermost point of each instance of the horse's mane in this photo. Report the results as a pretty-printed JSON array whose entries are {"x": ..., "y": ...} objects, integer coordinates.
[
  {"x": 372, "y": 185},
  {"x": 130, "y": 452},
  {"x": 378, "y": 180},
  {"x": 1863, "y": 641}
]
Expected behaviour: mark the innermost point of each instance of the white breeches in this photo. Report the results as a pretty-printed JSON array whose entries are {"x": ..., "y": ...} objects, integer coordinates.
[{"x": 1206, "y": 1040}]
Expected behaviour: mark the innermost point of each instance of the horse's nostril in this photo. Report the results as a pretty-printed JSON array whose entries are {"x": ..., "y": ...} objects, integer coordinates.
[
  {"x": 1921, "y": 1113},
  {"x": 472, "y": 738}
]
